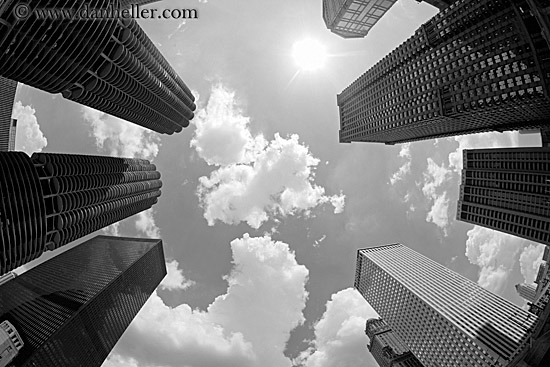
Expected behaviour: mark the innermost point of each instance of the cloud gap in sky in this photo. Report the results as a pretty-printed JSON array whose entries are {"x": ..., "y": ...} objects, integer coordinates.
[
  {"x": 255, "y": 180},
  {"x": 29, "y": 138},
  {"x": 249, "y": 325}
]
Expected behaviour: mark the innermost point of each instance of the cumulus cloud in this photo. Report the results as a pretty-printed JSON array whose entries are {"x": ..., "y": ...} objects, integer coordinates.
[
  {"x": 340, "y": 339},
  {"x": 405, "y": 169},
  {"x": 174, "y": 278},
  {"x": 249, "y": 325},
  {"x": 255, "y": 179},
  {"x": 434, "y": 179},
  {"x": 496, "y": 253},
  {"x": 145, "y": 223},
  {"x": 121, "y": 138},
  {"x": 28, "y": 138},
  {"x": 112, "y": 230},
  {"x": 508, "y": 139}
]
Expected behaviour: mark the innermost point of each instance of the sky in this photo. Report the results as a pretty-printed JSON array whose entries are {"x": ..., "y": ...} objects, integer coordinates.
[{"x": 262, "y": 210}]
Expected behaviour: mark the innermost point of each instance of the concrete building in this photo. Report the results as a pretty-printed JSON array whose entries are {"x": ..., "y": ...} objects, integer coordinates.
[
  {"x": 527, "y": 291},
  {"x": 444, "y": 318},
  {"x": 7, "y": 124}
]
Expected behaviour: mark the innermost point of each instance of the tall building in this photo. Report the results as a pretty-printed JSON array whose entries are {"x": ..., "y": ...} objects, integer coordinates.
[
  {"x": 387, "y": 348},
  {"x": 476, "y": 66},
  {"x": 49, "y": 200},
  {"x": 527, "y": 291},
  {"x": 507, "y": 190},
  {"x": 7, "y": 124},
  {"x": 129, "y": 3},
  {"x": 445, "y": 319},
  {"x": 355, "y": 18},
  {"x": 72, "y": 309},
  {"x": 108, "y": 64},
  {"x": 440, "y": 4}
]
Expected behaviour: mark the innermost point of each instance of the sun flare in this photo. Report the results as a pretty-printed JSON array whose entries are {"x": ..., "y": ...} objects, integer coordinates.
[{"x": 309, "y": 54}]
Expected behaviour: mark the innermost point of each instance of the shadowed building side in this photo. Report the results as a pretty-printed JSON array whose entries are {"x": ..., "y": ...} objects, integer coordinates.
[
  {"x": 7, "y": 124},
  {"x": 507, "y": 189},
  {"x": 49, "y": 200},
  {"x": 72, "y": 309},
  {"x": 107, "y": 64},
  {"x": 476, "y": 66}
]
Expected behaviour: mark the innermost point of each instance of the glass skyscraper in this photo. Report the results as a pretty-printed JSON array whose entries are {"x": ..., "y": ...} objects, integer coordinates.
[
  {"x": 507, "y": 189},
  {"x": 71, "y": 310},
  {"x": 478, "y": 65},
  {"x": 444, "y": 318}
]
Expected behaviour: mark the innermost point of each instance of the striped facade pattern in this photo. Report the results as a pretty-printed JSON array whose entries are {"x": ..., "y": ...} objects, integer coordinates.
[
  {"x": 507, "y": 190},
  {"x": 51, "y": 199},
  {"x": 129, "y": 3},
  {"x": 7, "y": 129},
  {"x": 444, "y": 318},
  {"x": 478, "y": 65},
  {"x": 109, "y": 64},
  {"x": 72, "y": 309}
]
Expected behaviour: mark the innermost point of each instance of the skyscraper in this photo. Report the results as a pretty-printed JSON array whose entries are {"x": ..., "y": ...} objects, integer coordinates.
[
  {"x": 440, "y": 4},
  {"x": 49, "y": 200},
  {"x": 7, "y": 124},
  {"x": 129, "y": 3},
  {"x": 476, "y": 66},
  {"x": 527, "y": 291},
  {"x": 72, "y": 309},
  {"x": 355, "y": 18},
  {"x": 387, "y": 348},
  {"x": 108, "y": 64},
  {"x": 444, "y": 318},
  {"x": 507, "y": 190}
]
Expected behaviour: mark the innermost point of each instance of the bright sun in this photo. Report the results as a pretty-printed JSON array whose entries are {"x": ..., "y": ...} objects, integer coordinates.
[{"x": 309, "y": 54}]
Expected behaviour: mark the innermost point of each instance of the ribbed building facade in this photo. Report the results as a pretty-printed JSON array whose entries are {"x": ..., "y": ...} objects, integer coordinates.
[
  {"x": 129, "y": 3},
  {"x": 507, "y": 189},
  {"x": 49, "y": 200},
  {"x": 7, "y": 124},
  {"x": 528, "y": 291},
  {"x": 354, "y": 18},
  {"x": 72, "y": 309},
  {"x": 108, "y": 64},
  {"x": 478, "y": 65},
  {"x": 445, "y": 319},
  {"x": 387, "y": 348}
]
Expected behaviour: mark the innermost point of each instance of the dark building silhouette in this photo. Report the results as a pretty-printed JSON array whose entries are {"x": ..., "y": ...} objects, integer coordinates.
[
  {"x": 129, "y": 3},
  {"x": 72, "y": 309},
  {"x": 49, "y": 200},
  {"x": 440, "y": 4},
  {"x": 108, "y": 64},
  {"x": 387, "y": 348},
  {"x": 507, "y": 190},
  {"x": 7, "y": 124},
  {"x": 476, "y": 66}
]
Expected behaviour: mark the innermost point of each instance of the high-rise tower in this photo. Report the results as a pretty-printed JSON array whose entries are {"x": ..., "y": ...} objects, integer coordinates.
[
  {"x": 72, "y": 309},
  {"x": 387, "y": 348},
  {"x": 527, "y": 291},
  {"x": 478, "y": 65},
  {"x": 108, "y": 64},
  {"x": 444, "y": 318},
  {"x": 7, "y": 124},
  {"x": 49, "y": 200},
  {"x": 507, "y": 190}
]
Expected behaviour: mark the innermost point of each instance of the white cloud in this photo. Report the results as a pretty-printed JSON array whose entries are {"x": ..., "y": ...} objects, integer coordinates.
[
  {"x": 405, "y": 169},
  {"x": 28, "y": 138},
  {"x": 121, "y": 138},
  {"x": 174, "y": 278},
  {"x": 112, "y": 230},
  {"x": 256, "y": 180},
  {"x": 340, "y": 338},
  {"x": 434, "y": 179},
  {"x": 145, "y": 223},
  {"x": 247, "y": 326},
  {"x": 496, "y": 253},
  {"x": 506, "y": 139}
]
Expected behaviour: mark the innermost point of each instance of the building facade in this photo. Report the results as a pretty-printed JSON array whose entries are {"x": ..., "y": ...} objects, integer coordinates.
[
  {"x": 108, "y": 64},
  {"x": 528, "y": 291},
  {"x": 387, "y": 348},
  {"x": 129, "y": 3},
  {"x": 355, "y": 18},
  {"x": 7, "y": 124},
  {"x": 507, "y": 190},
  {"x": 445, "y": 319},
  {"x": 49, "y": 200},
  {"x": 478, "y": 65},
  {"x": 72, "y": 309},
  {"x": 440, "y": 4}
]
